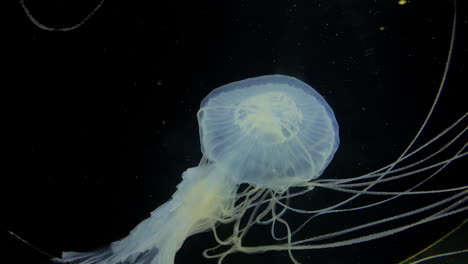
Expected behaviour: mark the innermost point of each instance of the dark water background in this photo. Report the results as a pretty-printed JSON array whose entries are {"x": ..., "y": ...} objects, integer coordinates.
[{"x": 101, "y": 120}]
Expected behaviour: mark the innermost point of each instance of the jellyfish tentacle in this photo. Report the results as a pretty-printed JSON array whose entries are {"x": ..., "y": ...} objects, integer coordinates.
[
  {"x": 448, "y": 254},
  {"x": 461, "y": 195},
  {"x": 331, "y": 209},
  {"x": 344, "y": 187},
  {"x": 299, "y": 245},
  {"x": 378, "y": 172},
  {"x": 44, "y": 27}
]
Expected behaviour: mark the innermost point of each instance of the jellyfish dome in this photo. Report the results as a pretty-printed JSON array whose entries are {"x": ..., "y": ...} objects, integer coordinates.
[{"x": 271, "y": 131}]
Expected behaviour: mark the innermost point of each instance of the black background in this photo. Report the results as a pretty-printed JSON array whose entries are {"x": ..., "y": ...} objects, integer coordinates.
[{"x": 101, "y": 122}]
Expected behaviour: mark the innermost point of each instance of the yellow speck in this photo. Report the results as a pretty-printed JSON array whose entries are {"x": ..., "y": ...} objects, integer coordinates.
[
  {"x": 381, "y": 28},
  {"x": 402, "y": 2}
]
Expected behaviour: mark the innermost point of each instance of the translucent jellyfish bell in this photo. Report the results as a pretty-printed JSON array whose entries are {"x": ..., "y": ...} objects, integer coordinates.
[{"x": 271, "y": 131}]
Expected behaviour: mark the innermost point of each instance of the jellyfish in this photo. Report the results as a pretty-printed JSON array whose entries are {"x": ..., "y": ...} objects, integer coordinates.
[
  {"x": 272, "y": 133},
  {"x": 267, "y": 140}
]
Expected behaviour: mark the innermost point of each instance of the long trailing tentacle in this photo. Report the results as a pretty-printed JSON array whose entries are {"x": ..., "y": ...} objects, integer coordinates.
[{"x": 47, "y": 28}]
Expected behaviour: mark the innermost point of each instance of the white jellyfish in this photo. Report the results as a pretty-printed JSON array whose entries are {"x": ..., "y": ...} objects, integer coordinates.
[
  {"x": 272, "y": 133},
  {"x": 276, "y": 135}
]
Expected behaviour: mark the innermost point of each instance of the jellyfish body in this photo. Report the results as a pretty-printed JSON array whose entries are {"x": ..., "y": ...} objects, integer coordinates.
[{"x": 271, "y": 132}]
